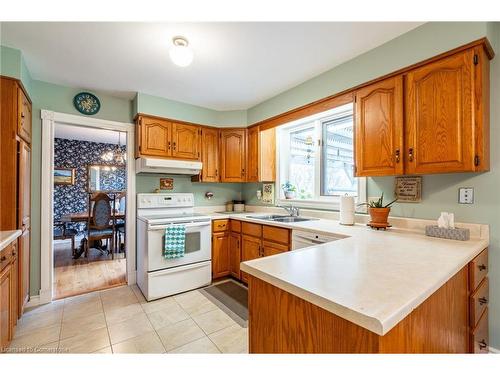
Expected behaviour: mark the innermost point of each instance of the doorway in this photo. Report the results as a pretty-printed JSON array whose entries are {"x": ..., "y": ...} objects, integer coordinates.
[
  {"x": 87, "y": 165},
  {"x": 89, "y": 168}
]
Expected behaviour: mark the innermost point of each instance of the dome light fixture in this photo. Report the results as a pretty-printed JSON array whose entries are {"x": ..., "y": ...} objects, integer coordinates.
[{"x": 180, "y": 53}]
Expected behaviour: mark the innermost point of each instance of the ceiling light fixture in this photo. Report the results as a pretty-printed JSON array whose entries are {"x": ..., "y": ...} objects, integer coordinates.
[{"x": 180, "y": 53}]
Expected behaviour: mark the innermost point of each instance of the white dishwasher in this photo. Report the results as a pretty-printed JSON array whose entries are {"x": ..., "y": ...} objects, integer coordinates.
[{"x": 301, "y": 239}]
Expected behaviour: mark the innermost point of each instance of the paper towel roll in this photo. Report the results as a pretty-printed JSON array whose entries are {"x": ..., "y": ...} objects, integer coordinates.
[{"x": 347, "y": 210}]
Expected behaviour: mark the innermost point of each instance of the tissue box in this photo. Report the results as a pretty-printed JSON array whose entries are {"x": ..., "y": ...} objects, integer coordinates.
[{"x": 460, "y": 234}]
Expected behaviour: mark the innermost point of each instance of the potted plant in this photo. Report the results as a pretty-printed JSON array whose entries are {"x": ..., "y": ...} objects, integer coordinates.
[
  {"x": 289, "y": 190},
  {"x": 378, "y": 211}
]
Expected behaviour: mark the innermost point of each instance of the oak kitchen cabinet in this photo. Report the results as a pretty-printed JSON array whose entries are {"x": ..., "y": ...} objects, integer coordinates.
[
  {"x": 209, "y": 155},
  {"x": 8, "y": 294},
  {"x": 235, "y": 249},
  {"x": 261, "y": 154},
  {"x": 162, "y": 138},
  {"x": 433, "y": 118},
  {"x": 15, "y": 196},
  {"x": 233, "y": 155},
  {"x": 379, "y": 128},
  {"x": 220, "y": 248}
]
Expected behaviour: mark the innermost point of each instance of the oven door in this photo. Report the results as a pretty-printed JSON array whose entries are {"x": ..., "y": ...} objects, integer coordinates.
[{"x": 198, "y": 246}]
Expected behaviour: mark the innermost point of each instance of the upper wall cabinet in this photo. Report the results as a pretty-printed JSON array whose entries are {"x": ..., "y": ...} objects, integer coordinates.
[
  {"x": 161, "y": 138},
  {"x": 24, "y": 123},
  {"x": 233, "y": 155},
  {"x": 209, "y": 156},
  {"x": 185, "y": 141},
  {"x": 261, "y": 155},
  {"x": 443, "y": 126},
  {"x": 379, "y": 128},
  {"x": 153, "y": 136}
]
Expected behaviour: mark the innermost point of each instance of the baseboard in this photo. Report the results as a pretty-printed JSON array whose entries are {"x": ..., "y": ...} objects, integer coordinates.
[
  {"x": 33, "y": 301},
  {"x": 494, "y": 350}
]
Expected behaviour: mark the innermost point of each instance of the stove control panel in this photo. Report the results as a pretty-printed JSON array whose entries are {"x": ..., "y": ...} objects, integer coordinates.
[{"x": 165, "y": 200}]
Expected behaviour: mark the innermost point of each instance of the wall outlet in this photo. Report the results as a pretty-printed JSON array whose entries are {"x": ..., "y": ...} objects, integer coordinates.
[{"x": 466, "y": 195}]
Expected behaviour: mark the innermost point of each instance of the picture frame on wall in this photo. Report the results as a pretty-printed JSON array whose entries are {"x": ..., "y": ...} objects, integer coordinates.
[{"x": 64, "y": 176}]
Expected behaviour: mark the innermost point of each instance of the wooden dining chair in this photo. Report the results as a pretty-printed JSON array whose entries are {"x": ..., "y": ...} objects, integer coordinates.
[
  {"x": 100, "y": 222},
  {"x": 121, "y": 223}
]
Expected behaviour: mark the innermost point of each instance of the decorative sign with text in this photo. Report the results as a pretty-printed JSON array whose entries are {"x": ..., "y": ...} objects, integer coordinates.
[
  {"x": 166, "y": 183},
  {"x": 408, "y": 189}
]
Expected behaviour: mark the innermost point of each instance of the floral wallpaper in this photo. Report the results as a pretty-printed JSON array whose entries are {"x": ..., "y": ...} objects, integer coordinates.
[{"x": 79, "y": 154}]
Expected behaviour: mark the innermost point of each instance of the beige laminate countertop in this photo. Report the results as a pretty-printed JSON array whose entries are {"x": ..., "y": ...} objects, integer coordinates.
[
  {"x": 371, "y": 278},
  {"x": 7, "y": 236}
]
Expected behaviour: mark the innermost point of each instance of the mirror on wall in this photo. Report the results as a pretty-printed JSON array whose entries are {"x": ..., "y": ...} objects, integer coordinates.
[{"x": 106, "y": 178}]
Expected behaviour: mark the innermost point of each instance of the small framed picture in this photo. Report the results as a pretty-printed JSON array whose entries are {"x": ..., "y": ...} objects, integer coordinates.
[
  {"x": 166, "y": 184},
  {"x": 408, "y": 189},
  {"x": 64, "y": 176}
]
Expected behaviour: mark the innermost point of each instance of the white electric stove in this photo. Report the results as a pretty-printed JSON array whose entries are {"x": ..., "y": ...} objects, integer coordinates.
[{"x": 158, "y": 277}]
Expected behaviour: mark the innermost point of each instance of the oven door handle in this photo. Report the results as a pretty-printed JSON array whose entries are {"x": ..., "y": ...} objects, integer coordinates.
[{"x": 190, "y": 225}]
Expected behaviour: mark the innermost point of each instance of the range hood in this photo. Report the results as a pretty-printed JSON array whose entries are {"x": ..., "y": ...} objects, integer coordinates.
[{"x": 166, "y": 166}]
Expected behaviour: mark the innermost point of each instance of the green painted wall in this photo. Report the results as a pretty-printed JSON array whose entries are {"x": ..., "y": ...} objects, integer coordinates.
[
  {"x": 155, "y": 105},
  {"x": 182, "y": 184},
  {"x": 10, "y": 62}
]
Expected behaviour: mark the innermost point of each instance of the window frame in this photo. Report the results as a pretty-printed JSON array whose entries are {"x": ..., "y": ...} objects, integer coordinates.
[{"x": 325, "y": 202}]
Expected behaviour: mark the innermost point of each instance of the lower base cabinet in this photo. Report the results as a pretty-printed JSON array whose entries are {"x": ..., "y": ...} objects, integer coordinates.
[
  {"x": 233, "y": 243},
  {"x": 220, "y": 254},
  {"x": 8, "y": 294}
]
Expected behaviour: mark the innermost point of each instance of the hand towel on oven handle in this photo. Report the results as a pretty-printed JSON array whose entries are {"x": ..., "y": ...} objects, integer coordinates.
[{"x": 175, "y": 241}]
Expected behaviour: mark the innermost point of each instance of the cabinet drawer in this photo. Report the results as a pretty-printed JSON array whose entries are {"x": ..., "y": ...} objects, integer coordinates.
[
  {"x": 220, "y": 225},
  {"x": 478, "y": 269},
  {"x": 275, "y": 234},
  {"x": 6, "y": 256},
  {"x": 479, "y": 336},
  {"x": 272, "y": 248},
  {"x": 479, "y": 302},
  {"x": 235, "y": 226},
  {"x": 251, "y": 229}
]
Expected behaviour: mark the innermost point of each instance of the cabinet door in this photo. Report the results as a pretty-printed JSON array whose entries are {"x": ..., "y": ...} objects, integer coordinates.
[
  {"x": 267, "y": 155},
  {"x": 233, "y": 155},
  {"x": 185, "y": 141},
  {"x": 155, "y": 137},
  {"x": 220, "y": 254},
  {"x": 5, "y": 306},
  {"x": 235, "y": 254},
  {"x": 24, "y": 269},
  {"x": 250, "y": 249},
  {"x": 379, "y": 128},
  {"x": 24, "y": 185},
  {"x": 24, "y": 116},
  {"x": 16, "y": 312},
  {"x": 253, "y": 154},
  {"x": 210, "y": 155},
  {"x": 273, "y": 248},
  {"x": 440, "y": 129}
]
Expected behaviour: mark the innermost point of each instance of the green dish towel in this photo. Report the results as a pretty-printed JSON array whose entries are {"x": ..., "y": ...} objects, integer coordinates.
[{"x": 175, "y": 241}]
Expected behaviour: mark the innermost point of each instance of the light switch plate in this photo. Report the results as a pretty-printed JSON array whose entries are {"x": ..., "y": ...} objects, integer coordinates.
[{"x": 466, "y": 195}]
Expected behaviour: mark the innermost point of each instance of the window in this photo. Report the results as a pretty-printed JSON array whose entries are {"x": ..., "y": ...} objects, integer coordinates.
[{"x": 316, "y": 156}]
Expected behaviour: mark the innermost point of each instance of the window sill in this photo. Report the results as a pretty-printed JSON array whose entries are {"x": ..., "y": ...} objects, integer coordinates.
[{"x": 326, "y": 205}]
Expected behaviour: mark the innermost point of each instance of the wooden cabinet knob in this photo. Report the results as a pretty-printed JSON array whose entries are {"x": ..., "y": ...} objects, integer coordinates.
[
  {"x": 3, "y": 258},
  {"x": 483, "y": 300},
  {"x": 398, "y": 155},
  {"x": 410, "y": 154},
  {"x": 482, "y": 267}
]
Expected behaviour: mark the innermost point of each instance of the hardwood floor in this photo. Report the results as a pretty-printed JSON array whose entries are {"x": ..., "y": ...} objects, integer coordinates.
[{"x": 83, "y": 275}]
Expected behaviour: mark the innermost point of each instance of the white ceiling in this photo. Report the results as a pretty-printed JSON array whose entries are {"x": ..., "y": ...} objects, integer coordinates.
[
  {"x": 82, "y": 133},
  {"x": 236, "y": 65}
]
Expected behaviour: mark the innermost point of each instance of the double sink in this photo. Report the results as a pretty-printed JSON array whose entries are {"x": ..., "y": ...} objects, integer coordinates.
[{"x": 281, "y": 218}]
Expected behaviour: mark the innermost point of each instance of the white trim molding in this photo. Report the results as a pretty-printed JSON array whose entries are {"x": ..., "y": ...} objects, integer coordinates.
[{"x": 49, "y": 119}]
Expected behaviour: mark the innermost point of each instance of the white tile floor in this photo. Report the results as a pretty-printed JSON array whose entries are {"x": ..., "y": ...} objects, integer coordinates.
[{"x": 119, "y": 320}]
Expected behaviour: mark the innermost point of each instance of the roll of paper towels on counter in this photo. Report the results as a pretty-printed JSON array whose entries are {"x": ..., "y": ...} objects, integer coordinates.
[{"x": 347, "y": 210}]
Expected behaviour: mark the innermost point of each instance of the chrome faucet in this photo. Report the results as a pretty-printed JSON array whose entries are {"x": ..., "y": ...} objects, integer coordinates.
[{"x": 292, "y": 211}]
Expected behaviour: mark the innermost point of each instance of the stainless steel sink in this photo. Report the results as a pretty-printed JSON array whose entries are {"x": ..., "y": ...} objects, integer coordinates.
[
  {"x": 291, "y": 219},
  {"x": 281, "y": 218},
  {"x": 267, "y": 217}
]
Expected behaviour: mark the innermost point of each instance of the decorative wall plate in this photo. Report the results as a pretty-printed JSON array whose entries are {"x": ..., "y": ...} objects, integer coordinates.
[{"x": 87, "y": 103}]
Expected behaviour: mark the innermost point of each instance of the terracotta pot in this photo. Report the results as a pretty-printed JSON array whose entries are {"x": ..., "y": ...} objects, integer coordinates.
[{"x": 379, "y": 215}]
